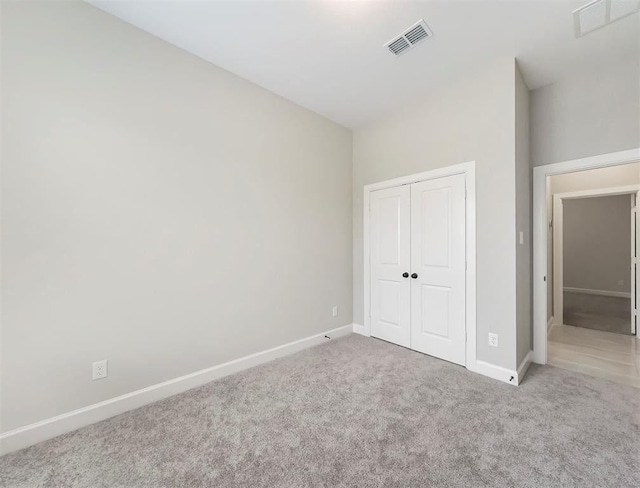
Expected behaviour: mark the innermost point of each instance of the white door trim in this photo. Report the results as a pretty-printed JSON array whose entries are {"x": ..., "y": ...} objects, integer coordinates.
[
  {"x": 469, "y": 170},
  {"x": 599, "y": 192},
  {"x": 635, "y": 244},
  {"x": 558, "y": 236},
  {"x": 540, "y": 229}
]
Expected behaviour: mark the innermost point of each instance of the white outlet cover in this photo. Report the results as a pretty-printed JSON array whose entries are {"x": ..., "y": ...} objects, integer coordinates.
[
  {"x": 334, "y": 311},
  {"x": 99, "y": 370},
  {"x": 493, "y": 340}
]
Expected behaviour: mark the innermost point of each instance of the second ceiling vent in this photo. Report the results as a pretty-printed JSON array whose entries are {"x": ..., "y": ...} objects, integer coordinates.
[{"x": 408, "y": 39}]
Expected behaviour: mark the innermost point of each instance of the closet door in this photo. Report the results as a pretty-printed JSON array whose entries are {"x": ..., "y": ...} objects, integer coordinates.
[
  {"x": 389, "y": 230},
  {"x": 438, "y": 268}
]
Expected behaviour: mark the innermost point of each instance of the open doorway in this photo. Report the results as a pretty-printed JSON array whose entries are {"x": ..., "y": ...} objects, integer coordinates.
[
  {"x": 592, "y": 270},
  {"x": 593, "y": 251},
  {"x": 593, "y": 256},
  {"x": 597, "y": 258}
]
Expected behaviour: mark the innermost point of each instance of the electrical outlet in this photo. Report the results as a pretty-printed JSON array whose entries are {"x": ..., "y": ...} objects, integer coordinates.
[
  {"x": 99, "y": 370},
  {"x": 334, "y": 311},
  {"x": 493, "y": 339}
]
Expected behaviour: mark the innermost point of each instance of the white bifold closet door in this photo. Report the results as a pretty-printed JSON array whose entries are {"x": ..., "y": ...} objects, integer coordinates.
[
  {"x": 417, "y": 264},
  {"x": 389, "y": 230},
  {"x": 438, "y": 260}
]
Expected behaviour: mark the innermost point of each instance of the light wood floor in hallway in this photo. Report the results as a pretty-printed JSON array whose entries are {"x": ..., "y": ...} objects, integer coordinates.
[{"x": 607, "y": 355}]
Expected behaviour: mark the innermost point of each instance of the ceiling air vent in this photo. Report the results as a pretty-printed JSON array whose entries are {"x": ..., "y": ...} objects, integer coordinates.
[
  {"x": 599, "y": 13},
  {"x": 399, "y": 45},
  {"x": 408, "y": 39}
]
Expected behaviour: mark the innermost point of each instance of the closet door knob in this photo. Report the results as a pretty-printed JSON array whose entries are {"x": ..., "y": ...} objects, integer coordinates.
[
  {"x": 405, "y": 275},
  {"x": 414, "y": 275}
]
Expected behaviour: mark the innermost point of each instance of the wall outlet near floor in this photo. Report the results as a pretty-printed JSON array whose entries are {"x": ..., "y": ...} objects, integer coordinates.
[
  {"x": 493, "y": 340},
  {"x": 334, "y": 311},
  {"x": 99, "y": 370}
]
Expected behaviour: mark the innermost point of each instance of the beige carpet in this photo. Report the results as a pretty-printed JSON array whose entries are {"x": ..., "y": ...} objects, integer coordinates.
[
  {"x": 608, "y": 314},
  {"x": 356, "y": 412}
]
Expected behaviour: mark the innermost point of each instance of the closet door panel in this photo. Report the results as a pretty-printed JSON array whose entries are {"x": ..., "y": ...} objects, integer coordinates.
[
  {"x": 438, "y": 267},
  {"x": 389, "y": 231}
]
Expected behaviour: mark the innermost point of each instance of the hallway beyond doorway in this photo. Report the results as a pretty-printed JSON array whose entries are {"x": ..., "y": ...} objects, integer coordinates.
[{"x": 605, "y": 313}]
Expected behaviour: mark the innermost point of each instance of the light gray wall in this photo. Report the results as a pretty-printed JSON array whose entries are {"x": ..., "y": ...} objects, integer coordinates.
[
  {"x": 157, "y": 212},
  {"x": 597, "y": 243},
  {"x": 523, "y": 219},
  {"x": 471, "y": 120},
  {"x": 591, "y": 113}
]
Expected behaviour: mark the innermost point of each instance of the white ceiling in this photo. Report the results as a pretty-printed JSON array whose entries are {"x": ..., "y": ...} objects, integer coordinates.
[{"x": 328, "y": 56}]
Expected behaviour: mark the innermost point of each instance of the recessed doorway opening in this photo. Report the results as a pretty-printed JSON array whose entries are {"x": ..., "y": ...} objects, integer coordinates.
[{"x": 586, "y": 252}]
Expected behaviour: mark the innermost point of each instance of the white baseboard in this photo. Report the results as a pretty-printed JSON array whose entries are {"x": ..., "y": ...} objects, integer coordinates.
[
  {"x": 606, "y": 293},
  {"x": 550, "y": 325},
  {"x": 360, "y": 329},
  {"x": 524, "y": 366},
  {"x": 505, "y": 375},
  {"x": 28, "y": 435}
]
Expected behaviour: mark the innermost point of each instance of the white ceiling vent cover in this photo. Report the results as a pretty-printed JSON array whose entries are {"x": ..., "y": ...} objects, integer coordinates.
[
  {"x": 409, "y": 38},
  {"x": 599, "y": 13}
]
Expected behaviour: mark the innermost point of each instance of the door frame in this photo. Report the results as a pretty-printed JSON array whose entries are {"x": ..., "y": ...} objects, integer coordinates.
[
  {"x": 540, "y": 230},
  {"x": 635, "y": 245},
  {"x": 469, "y": 170},
  {"x": 558, "y": 241}
]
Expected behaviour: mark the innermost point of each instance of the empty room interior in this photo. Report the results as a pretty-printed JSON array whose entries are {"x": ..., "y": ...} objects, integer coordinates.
[{"x": 319, "y": 243}]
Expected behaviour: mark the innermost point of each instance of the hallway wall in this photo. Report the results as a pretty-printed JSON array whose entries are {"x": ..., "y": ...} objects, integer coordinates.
[{"x": 597, "y": 243}]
